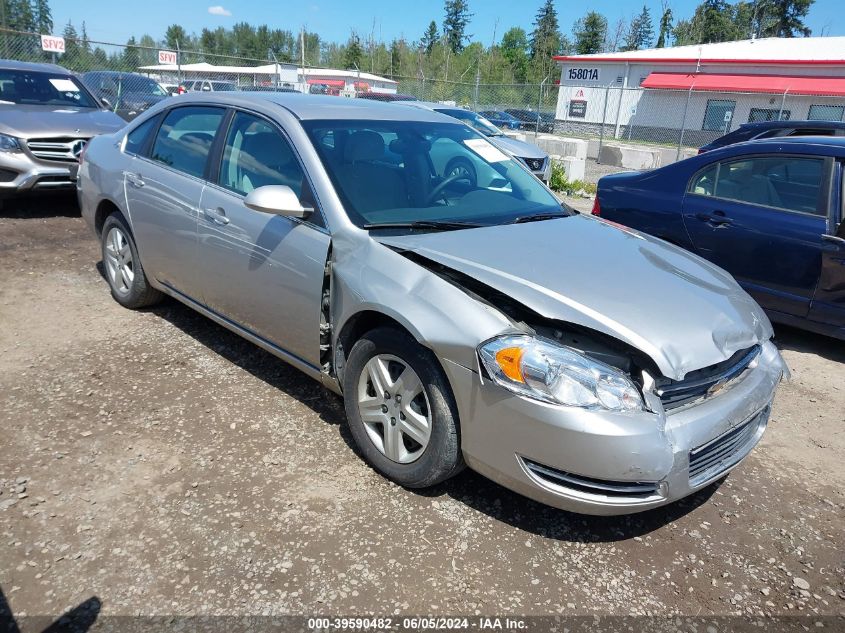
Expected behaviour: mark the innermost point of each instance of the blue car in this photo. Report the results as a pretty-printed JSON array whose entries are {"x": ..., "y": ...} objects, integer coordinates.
[
  {"x": 769, "y": 212},
  {"x": 501, "y": 119}
]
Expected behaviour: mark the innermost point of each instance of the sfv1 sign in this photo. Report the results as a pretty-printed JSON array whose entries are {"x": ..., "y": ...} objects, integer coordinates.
[
  {"x": 166, "y": 57},
  {"x": 52, "y": 44}
]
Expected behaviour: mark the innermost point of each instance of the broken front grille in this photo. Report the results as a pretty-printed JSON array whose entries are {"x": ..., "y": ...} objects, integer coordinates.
[
  {"x": 712, "y": 459},
  {"x": 705, "y": 382}
]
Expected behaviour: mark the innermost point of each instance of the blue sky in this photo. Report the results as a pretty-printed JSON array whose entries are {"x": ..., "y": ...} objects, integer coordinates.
[{"x": 110, "y": 20}]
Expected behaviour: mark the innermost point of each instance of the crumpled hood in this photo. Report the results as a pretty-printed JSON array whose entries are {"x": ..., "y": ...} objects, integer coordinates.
[
  {"x": 682, "y": 311},
  {"x": 35, "y": 121},
  {"x": 140, "y": 99},
  {"x": 520, "y": 149}
]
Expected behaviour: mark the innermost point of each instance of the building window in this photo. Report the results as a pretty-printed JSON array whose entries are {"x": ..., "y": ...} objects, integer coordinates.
[
  {"x": 759, "y": 115},
  {"x": 714, "y": 115},
  {"x": 826, "y": 112}
]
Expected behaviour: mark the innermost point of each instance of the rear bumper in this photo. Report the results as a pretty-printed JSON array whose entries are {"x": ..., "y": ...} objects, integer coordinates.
[{"x": 606, "y": 463}]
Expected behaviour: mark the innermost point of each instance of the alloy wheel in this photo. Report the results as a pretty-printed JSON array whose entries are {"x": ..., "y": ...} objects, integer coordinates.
[
  {"x": 394, "y": 408},
  {"x": 119, "y": 264}
]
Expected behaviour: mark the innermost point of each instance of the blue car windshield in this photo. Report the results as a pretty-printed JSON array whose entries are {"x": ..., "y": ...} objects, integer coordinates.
[{"x": 389, "y": 172}]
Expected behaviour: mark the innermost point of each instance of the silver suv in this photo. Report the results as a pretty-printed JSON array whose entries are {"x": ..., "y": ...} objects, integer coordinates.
[{"x": 46, "y": 117}]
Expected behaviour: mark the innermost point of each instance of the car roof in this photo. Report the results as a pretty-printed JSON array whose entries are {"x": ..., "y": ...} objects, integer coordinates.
[
  {"x": 828, "y": 141},
  {"x": 113, "y": 73},
  {"x": 775, "y": 125},
  {"x": 316, "y": 107},
  {"x": 431, "y": 105},
  {"x": 10, "y": 64}
]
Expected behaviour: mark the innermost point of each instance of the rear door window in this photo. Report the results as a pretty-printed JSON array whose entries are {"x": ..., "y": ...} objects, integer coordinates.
[
  {"x": 783, "y": 182},
  {"x": 184, "y": 140}
]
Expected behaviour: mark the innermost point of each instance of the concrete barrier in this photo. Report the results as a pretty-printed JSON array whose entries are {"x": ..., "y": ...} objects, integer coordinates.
[
  {"x": 575, "y": 168},
  {"x": 561, "y": 145},
  {"x": 630, "y": 156}
]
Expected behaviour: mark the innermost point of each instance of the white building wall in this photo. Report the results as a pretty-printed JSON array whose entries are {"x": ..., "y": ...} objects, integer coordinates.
[{"x": 617, "y": 84}]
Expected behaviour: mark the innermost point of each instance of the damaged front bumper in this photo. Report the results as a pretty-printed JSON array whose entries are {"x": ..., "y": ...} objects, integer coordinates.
[{"x": 605, "y": 463}]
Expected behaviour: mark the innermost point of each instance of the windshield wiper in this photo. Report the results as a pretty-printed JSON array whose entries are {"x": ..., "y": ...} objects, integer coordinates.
[
  {"x": 539, "y": 217},
  {"x": 437, "y": 225}
]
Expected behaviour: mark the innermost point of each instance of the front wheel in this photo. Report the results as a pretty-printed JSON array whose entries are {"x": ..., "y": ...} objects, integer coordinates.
[
  {"x": 124, "y": 273},
  {"x": 400, "y": 409}
]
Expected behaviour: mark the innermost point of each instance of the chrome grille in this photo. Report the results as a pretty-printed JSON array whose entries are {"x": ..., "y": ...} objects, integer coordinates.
[
  {"x": 589, "y": 485},
  {"x": 718, "y": 455},
  {"x": 63, "y": 150},
  {"x": 534, "y": 164},
  {"x": 705, "y": 382}
]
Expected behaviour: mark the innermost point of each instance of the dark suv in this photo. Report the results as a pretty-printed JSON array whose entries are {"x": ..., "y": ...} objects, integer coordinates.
[
  {"x": 125, "y": 94},
  {"x": 774, "y": 129}
]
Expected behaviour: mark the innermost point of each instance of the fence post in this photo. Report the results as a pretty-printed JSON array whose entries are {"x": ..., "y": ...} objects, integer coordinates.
[
  {"x": 683, "y": 125},
  {"x": 603, "y": 121},
  {"x": 539, "y": 109},
  {"x": 477, "y": 82},
  {"x": 178, "y": 63},
  {"x": 782, "y": 104}
]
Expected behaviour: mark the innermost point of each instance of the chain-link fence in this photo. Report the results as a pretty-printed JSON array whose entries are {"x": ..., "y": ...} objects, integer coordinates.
[{"x": 673, "y": 119}]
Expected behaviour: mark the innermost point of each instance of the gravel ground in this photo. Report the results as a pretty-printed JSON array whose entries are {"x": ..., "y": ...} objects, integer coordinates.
[{"x": 160, "y": 463}]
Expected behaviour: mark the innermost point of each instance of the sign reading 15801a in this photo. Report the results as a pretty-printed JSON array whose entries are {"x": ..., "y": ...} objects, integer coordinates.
[{"x": 584, "y": 74}]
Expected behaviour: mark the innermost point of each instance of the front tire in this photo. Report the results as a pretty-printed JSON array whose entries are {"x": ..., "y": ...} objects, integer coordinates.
[
  {"x": 400, "y": 409},
  {"x": 124, "y": 273}
]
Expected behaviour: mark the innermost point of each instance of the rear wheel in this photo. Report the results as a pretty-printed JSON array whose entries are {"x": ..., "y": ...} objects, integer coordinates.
[
  {"x": 124, "y": 273},
  {"x": 401, "y": 410}
]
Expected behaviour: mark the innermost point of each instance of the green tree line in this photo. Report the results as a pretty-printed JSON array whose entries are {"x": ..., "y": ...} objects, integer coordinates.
[{"x": 445, "y": 49}]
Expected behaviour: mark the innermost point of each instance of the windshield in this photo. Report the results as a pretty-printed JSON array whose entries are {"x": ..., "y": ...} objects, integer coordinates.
[
  {"x": 472, "y": 119},
  {"x": 27, "y": 87},
  {"x": 389, "y": 172},
  {"x": 144, "y": 85}
]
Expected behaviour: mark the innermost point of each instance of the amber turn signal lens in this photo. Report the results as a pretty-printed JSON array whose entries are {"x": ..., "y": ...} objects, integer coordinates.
[{"x": 509, "y": 360}]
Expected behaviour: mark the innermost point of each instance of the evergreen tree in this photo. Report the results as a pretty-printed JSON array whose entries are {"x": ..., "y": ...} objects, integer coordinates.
[
  {"x": 429, "y": 38},
  {"x": 514, "y": 49},
  {"x": 175, "y": 36},
  {"x": 546, "y": 39},
  {"x": 43, "y": 17},
  {"x": 455, "y": 23},
  {"x": 641, "y": 32},
  {"x": 354, "y": 53},
  {"x": 131, "y": 58},
  {"x": 665, "y": 28},
  {"x": 783, "y": 18},
  {"x": 590, "y": 33}
]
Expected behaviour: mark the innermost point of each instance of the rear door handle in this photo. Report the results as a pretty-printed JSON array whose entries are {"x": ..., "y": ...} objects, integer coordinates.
[
  {"x": 135, "y": 179},
  {"x": 216, "y": 215},
  {"x": 717, "y": 219}
]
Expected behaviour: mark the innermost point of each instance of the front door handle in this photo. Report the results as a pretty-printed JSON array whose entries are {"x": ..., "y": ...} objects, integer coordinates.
[
  {"x": 216, "y": 215},
  {"x": 717, "y": 219},
  {"x": 135, "y": 179}
]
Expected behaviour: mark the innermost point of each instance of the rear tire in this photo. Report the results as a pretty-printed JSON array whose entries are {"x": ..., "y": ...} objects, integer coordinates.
[
  {"x": 401, "y": 410},
  {"x": 124, "y": 273}
]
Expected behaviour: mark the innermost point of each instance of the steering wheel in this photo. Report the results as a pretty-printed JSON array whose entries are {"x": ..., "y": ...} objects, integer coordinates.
[{"x": 439, "y": 188}]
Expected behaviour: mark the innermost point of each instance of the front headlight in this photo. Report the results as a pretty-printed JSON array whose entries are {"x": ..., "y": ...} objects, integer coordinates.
[
  {"x": 9, "y": 143},
  {"x": 546, "y": 371}
]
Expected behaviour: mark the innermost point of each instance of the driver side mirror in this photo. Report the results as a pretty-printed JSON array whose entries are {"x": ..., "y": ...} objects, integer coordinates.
[
  {"x": 105, "y": 102},
  {"x": 277, "y": 200}
]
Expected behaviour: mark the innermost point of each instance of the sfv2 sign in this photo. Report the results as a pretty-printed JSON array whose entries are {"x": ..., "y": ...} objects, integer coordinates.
[
  {"x": 166, "y": 57},
  {"x": 52, "y": 44}
]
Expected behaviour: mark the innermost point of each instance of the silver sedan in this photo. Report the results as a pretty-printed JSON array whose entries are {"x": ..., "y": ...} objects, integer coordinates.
[{"x": 464, "y": 322}]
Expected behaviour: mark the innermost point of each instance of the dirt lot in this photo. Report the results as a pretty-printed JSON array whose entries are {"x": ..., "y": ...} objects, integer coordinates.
[{"x": 165, "y": 466}]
